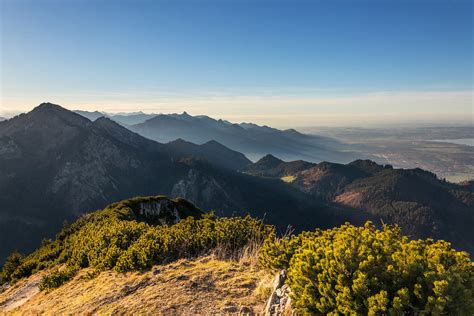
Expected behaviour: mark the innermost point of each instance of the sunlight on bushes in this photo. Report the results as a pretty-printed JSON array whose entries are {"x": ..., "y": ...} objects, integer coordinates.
[{"x": 362, "y": 270}]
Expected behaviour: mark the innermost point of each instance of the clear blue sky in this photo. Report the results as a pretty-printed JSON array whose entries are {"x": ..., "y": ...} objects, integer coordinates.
[{"x": 267, "y": 61}]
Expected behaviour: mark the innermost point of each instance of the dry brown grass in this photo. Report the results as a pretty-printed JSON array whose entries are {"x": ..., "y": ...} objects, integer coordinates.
[
  {"x": 353, "y": 199},
  {"x": 206, "y": 285}
]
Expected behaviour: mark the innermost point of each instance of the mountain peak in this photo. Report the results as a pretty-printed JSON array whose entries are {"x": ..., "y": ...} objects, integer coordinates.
[
  {"x": 213, "y": 142},
  {"x": 105, "y": 121},
  {"x": 292, "y": 131},
  {"x": 269, "y": 160},
  {"x": 48, "y": 111},
  {"x": 48, "y": 106},
  {"x": 183, "y": 116},
  {"x": 182, "y": 143},
  {"x": 367, "y": 165}
]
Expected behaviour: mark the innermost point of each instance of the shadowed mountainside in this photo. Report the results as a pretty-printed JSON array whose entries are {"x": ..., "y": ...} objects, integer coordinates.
[
  {"x": 270, "y": 166},
  {"x": 56, "y": 165},
  {"x": 423, "y": 205}
]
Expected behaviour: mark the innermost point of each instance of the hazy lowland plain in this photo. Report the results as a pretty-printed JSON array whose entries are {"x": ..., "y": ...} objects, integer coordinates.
[{"x": 446, "y": 151}]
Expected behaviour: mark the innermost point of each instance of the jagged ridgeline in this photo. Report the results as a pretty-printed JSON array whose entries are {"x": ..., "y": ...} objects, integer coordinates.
[{"x": 344, "y": 270}]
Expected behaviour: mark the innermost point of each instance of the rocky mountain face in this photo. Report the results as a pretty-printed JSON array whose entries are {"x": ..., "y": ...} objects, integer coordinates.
[
  {"x": 161, "y": 210},
  {"x": 423, "y": 205}
]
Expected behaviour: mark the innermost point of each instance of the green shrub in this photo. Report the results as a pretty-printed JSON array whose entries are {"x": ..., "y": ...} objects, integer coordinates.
[
  {"x": 192, "y": 237},
  {"x": 362, "y": 270},
  {"x": 10, "y": 265},
  {"x": 57, "y": 278},
  {"x": 276, "y": 253},
  {"x": 148, "y": 249},
  {"x": 25, "y": 269}
]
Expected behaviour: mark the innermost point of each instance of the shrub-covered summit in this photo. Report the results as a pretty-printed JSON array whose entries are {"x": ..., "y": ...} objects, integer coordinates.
[
  {"x": 132, "y": 235},
  {"x": 346, "y": 270}
]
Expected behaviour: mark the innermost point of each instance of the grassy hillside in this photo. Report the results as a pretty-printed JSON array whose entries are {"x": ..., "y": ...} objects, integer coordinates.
[{"x": 206, "y": 285}]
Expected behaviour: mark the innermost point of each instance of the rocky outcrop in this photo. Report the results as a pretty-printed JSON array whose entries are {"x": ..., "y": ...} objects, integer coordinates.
[
  {"x": 279, "y": 302},
  {"x": 163, "y": 208}
]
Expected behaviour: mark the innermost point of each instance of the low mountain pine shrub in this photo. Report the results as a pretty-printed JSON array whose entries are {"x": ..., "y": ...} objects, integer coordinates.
[{"x": 363, "y": 270}]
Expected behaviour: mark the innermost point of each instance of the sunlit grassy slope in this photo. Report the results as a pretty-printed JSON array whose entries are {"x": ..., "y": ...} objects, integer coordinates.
[{"x": 205, "y": 285}]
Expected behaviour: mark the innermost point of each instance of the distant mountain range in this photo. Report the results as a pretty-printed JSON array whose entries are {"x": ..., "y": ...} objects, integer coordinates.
[
  {"x": 56, "y": 165},
  {"x": 250, "y": 139},
  {"x": 123, "y": 119}
]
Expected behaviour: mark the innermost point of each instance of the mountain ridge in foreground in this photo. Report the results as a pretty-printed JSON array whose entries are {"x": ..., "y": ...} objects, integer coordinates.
[
  {"x": 179, "y": 241},
  {"x": 155, "y": 255}
]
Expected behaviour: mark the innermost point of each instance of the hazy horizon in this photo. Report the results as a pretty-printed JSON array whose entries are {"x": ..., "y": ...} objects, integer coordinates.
[
  {"x": 341, "y": 63},
  {"x": 302, "y": 123}
]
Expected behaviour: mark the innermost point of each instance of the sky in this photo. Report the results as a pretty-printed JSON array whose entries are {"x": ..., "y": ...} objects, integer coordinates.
[{"x": 280, "y": 63}]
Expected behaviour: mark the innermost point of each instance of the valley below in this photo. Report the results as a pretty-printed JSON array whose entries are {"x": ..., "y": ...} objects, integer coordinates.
[{"x": 446, "y": 151}]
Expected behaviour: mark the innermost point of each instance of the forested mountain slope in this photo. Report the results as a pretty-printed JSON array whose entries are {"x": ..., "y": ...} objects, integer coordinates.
[{"x": 423, "y": 205}]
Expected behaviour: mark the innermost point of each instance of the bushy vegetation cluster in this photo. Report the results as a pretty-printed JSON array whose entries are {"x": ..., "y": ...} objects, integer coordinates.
[
  {"x": 363, "y": 270},
  {"x": 115, "y": 239},
  {"x": 57, "y": 278},
  {"x": 10, "y": 265}
]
